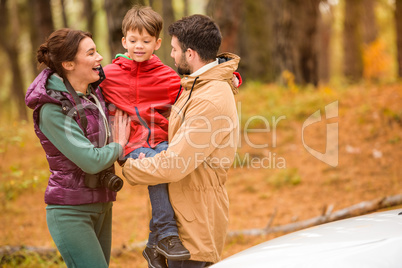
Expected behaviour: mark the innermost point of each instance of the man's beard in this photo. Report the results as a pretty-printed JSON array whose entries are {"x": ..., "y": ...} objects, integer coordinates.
[
  {"x": 183, "y": 68},
  {"x": 183, "y": 71}
]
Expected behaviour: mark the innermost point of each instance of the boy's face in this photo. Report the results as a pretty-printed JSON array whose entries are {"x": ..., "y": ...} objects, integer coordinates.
[{"x": 140, "y": 47}]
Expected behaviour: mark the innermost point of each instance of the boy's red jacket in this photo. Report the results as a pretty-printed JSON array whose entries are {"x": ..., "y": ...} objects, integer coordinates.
[{"x": 145, "y": 90}]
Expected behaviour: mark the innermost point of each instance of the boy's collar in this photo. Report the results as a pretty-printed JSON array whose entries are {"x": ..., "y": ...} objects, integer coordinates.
[
  {"x": 123, "y": 55},
  {"x": 129, "y": 58}
]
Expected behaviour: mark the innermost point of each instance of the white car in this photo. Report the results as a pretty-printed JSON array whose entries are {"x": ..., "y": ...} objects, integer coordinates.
[{"x": 373, "y": 240}]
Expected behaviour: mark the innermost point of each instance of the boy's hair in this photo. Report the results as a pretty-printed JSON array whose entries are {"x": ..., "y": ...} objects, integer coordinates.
[
  {"x": 199, "y": 33},
  {"x": 140, "y": 18}
]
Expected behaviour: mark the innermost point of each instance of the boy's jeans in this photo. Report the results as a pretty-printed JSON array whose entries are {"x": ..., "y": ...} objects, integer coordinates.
[{"x": 162, "y": 223}]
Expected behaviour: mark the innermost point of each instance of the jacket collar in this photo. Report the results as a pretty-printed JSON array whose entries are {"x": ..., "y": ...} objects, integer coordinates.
[
  {"x": 228, "y": 63},
  {"x": 127, "y": 63},
  {"x": 205, "y": 68}
]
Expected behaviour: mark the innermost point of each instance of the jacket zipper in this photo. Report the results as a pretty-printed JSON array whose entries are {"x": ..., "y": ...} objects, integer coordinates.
[{"x": 142, "y": 121}]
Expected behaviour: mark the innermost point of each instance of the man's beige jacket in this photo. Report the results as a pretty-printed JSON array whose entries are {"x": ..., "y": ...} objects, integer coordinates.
[{"x": 203, "y": 136}]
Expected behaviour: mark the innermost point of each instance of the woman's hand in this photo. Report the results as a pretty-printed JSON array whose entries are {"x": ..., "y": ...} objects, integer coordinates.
[{"x": 121, "y": 128}]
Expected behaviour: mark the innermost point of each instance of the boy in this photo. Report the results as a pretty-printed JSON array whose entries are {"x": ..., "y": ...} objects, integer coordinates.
[{"x": 142, "y": 86}]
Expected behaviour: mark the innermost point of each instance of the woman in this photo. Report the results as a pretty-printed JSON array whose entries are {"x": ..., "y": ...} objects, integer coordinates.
[{"x": 70, "y": 119}]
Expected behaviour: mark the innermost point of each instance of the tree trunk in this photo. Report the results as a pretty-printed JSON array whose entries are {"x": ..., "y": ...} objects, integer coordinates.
[
  {"x": 295, "y": 39},
  {"x": 63, "y": 14},
  {"x": 398, "y": 22},
  {"x": 40, "y": 26},
  {"x": 115, "y": 11},
  {"x": 44, "y": 19},
  {"x": 7, "y": 24},
  {"x": 168, "y": 19},
  {"x": 227, "y": 14},
  {"x": 284, "y": 37},
  {"x": 325, "y": 33},
  {"x": 352, "y": 41},
  {"x": 370, "y": 29},
  {"x": 33, "y": 36},
  {"x": 307, "y": 35},
  {"x": 255, "y": 39},
  {"x": 89, "y": 14}
]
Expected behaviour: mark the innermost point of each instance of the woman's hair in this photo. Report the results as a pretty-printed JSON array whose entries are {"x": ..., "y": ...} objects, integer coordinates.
[
  {"x": 140, "y": 18},
  {"x": 62, "y": 45},
  {"x": 200, "y": 33}
]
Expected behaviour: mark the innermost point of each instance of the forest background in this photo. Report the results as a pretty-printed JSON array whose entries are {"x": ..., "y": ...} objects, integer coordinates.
[{"x": 298, "y": 57}]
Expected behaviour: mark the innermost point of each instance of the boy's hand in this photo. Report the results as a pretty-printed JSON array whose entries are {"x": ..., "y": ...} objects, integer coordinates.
[{"x": 235, "y": 81}]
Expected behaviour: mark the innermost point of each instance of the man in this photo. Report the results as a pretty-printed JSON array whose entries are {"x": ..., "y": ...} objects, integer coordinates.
[{"x": 203, "y": 135}]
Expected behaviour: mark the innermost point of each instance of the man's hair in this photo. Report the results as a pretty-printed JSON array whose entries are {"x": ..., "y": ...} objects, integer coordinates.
[
  {"x": 199, "y": 33},
  {"x": 140, "y": 18}
]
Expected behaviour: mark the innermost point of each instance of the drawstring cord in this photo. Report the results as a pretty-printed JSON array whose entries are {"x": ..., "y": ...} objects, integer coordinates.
[{"x": 189, "y": 96}]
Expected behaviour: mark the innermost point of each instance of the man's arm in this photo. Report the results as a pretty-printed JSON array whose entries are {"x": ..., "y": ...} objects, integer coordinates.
[{"x": 202, "y": 131}]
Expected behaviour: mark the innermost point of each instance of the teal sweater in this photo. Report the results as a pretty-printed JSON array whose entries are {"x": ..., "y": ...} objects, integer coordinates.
[{"x": 82, "y": 152}]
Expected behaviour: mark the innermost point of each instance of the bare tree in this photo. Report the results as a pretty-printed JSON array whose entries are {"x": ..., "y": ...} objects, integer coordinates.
[
  {"x": 398, "y": 22},
  {"x": 352, "y": 41}
]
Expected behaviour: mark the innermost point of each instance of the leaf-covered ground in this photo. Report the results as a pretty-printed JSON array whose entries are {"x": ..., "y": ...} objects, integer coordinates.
[{"x": 273, "y": 172}]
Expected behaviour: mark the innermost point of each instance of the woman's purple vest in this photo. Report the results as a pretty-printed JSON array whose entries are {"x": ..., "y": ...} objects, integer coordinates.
[{"x": 66, "y": 182}]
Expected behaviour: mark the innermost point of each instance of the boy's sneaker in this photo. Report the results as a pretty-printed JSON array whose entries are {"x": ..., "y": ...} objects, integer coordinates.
[
  {"x": 172, "y": 248},
  {"x": 154, "y": 259}
]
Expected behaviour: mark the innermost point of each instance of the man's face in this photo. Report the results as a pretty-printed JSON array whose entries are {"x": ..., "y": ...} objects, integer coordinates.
[{"x": 179, "y": 57}]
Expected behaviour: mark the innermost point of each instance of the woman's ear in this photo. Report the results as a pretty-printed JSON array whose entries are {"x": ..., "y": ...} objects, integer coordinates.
[{"x": 68, "y": 65}]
